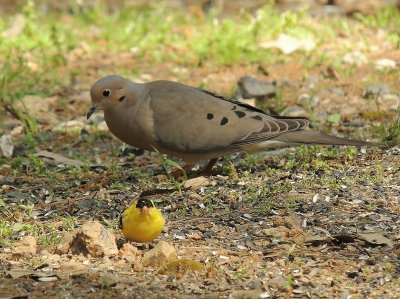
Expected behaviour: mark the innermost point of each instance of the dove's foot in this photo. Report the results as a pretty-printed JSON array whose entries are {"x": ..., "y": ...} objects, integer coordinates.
[
  {"x": 178, "y": 172},
  {"x": 207, "y": 171}
]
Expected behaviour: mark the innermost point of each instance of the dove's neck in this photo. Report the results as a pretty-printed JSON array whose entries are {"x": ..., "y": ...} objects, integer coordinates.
[{"x": 131, "y": 121}]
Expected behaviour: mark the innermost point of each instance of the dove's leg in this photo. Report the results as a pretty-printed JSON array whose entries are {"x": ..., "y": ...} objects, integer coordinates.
[
  {"x": 177, "y": 172},
  {"x": 209, "y": 166},
  {"x": 207, "y": 171}
]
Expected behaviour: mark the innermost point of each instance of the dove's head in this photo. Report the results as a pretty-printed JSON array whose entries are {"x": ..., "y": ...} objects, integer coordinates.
[{"x": 107, "y": 92}]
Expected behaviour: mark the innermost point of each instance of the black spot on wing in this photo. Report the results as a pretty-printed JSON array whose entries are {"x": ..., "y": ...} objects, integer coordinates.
[
  {"x": 224, "y": 121},
  {"x": 257, "y": 117},
  {"x": 240, "y": 114},
  {"x": 293, "y": 123},
  {"x": 210, "y": 116}
]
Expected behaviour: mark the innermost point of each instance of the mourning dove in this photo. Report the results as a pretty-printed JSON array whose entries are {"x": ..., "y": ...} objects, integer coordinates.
[{"x": 195, "y": 124}]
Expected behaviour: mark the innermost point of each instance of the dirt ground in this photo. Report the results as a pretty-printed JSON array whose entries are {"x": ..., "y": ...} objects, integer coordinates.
[{"x": 310, "y": 222}]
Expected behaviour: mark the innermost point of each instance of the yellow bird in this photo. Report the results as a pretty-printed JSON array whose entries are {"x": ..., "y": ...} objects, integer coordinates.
[{"x": 142, "y": 221}]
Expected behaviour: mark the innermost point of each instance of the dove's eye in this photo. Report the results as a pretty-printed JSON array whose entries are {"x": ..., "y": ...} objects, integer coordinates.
[{"x": 106, "y": 92}]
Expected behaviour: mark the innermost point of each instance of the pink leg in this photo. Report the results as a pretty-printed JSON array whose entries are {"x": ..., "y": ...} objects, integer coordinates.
[
  {"x": 209, "y": 167},
  {"x": 177, "y": 172}
]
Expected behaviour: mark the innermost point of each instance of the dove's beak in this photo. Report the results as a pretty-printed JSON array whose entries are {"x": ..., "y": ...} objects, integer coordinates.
[{"x": 91, "y": 111}]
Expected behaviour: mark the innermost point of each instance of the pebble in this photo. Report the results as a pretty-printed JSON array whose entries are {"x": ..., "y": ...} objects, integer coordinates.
[
  {"x": 250, "y": 87},
  {"x": 197, "y": 182},
  {"x": 372, "y": 91},
  {"x": 245, "y": 294},
  {"x": 6, "y": 146},
  {"x": 294, "y": 110},
  {"x": 256, "y": 285},
  {"x": 385, "y": 64},
  {"x": 69, "y": 127},
  {"x": 17, "y": 131},
  {"x": 71, "y": 266},
  {"x": 355, "y": 58}
]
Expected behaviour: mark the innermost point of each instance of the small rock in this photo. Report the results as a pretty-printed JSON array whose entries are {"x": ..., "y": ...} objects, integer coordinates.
[
  {"x": 245, "y": 294},
  {"x": 26, "y": 247},
  {"x": 195, "y": 236},
  {"x": 5, "y": 169},
  {"x": 196, "y": 196},
  {"x": 256, "y": 285},
  {"x": 17, "y": 131},
  {"x": 338, "y": 91},
  {"x": 157, "y": 256},
  {"x": 366, "y": 7},
  {"x": 311, "y": 82},
  {"x": 138, "y": 265},
  {"x": 6, "y": 146},
  {"x": 71, "y": 265},
  {"x": 197, "y": 182},
  {"x": 355, "y": 58},
  {"x": 69, "y": 127},
  {"x": 102, "y": 127},
  {"x": 289, "y": 44},
  {"x": 5, "y": 188},
  {"x": 294, "y": 110},
  {"x": 385, "y": 64},
  {"x": 67, "y": 239},
  {"x": 128, "y": 252},
  {"x": 96, "y": 118},
  {"x": 277, "y": 282},
  {"x": 370, "y": 261},
  {"x": 375, "y": 90},
  {"x": 389, "y": 102},
  {"x": 251, "y": 102},
  {"x": 250, "y": 87},
  {"x": 16, "y": 27},
  {"x": 308, "y": 100},
  {"x": 105, "y": 262}
]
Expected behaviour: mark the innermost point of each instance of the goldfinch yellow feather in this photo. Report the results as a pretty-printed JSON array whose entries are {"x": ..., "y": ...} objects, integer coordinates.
[{"x": 142, "y": 221}]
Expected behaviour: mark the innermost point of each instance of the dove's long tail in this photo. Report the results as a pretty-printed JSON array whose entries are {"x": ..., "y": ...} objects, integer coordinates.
[{"x": 312, "y": 137}]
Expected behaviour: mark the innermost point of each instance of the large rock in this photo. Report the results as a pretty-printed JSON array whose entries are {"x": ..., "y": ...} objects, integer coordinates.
[
  {"x": 157, "y": 256},
  {"x": 92, "y": 239},
  {"x": 26, "y": 247}
]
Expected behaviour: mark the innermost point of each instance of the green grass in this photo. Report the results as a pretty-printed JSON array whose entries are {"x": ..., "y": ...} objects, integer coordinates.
[
  {"x": 181, "y": 37},
  {"x": 389, "y": 131},
  {"x": 388, "y": 18},
  {"x": 36, "y": 64}
]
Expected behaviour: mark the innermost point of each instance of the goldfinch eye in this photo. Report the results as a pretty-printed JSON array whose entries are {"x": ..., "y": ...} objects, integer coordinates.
[{"x": 106, "y": 92}]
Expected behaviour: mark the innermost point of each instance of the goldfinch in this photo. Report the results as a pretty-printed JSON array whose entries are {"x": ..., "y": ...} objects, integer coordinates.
[{"x": 142, "y": 221}]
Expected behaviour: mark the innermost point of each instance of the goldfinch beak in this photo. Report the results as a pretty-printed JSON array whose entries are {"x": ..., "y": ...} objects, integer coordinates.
[{"x": 145, "y": 210}]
